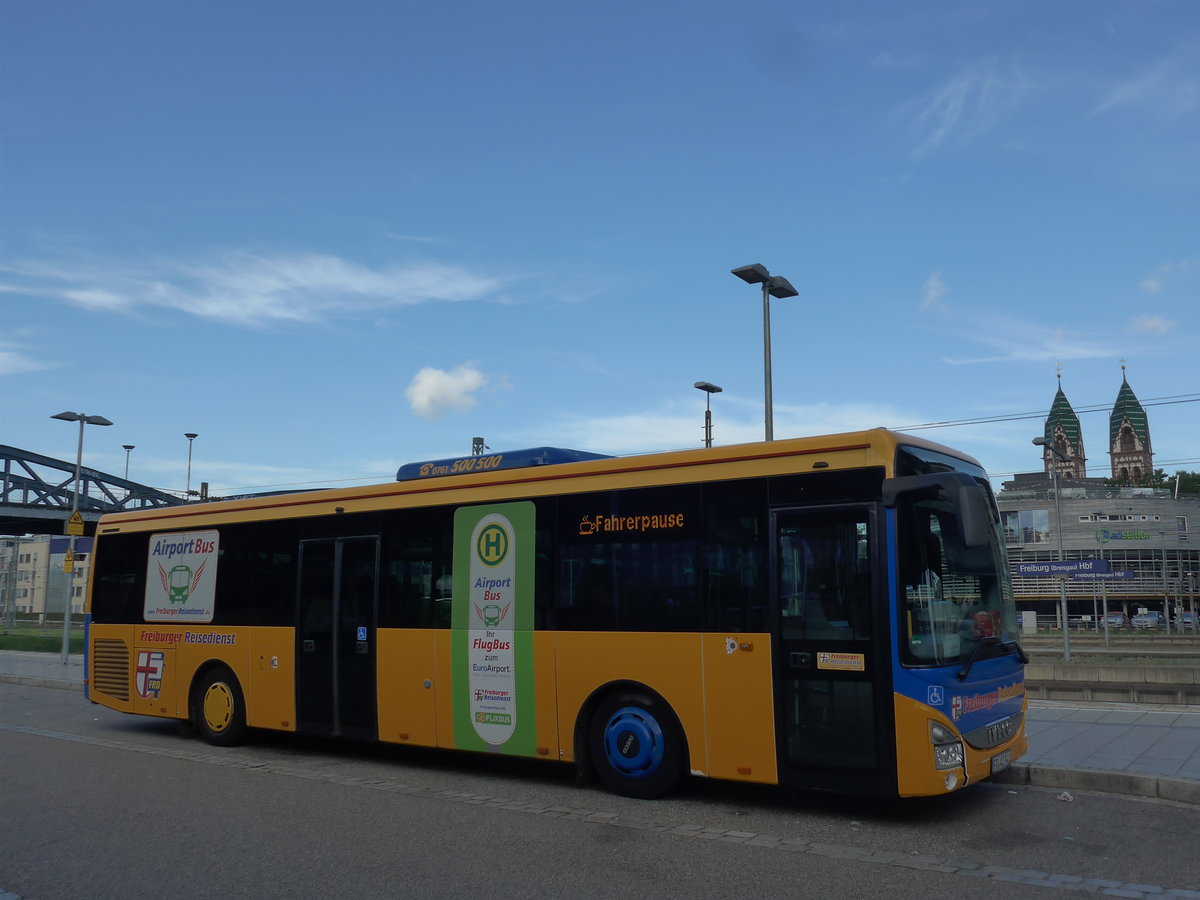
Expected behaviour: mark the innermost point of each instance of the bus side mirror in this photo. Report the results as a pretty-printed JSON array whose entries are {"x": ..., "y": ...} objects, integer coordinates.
[
  {"x": 973, "y": 515},
  {"x": 972, "y": 510}
]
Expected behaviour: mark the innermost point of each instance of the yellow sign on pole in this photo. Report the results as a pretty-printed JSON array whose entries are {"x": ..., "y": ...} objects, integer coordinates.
[
  {"x": 75, "y": 524},
  {"x": 69, "y": 561}
]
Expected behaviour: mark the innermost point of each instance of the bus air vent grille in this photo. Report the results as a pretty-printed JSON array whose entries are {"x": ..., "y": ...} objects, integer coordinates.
[{"x": 110, "y": 664}]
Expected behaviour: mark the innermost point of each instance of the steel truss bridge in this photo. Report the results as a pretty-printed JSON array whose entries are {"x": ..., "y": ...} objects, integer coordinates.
[{"x": 36, "y": 494}]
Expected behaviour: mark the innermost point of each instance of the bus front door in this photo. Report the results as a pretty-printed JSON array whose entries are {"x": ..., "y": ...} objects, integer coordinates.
[
  {"x": 335, "y": 637},
  {"x": 828, "y": 670}
]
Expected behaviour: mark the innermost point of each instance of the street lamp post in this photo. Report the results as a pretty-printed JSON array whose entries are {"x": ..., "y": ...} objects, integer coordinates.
[
  {"x": 1191, "y": 577},
  {"x": 709, "y": 390},
  {"x": 1166, "y": 586},
  {"x": 128, "y": 448},
  {"x": 191, "y": 436},
  {"x": 82, "y": 420},
  {"x": 1062, "y": 582},
  {"x": 772, "y": 286}
]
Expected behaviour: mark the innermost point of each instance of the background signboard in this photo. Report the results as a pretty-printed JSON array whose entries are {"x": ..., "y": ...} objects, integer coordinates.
[{"x": 1061, "y": 568}]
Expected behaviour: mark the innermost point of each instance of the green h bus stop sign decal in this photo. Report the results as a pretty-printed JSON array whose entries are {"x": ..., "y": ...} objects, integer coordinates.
[{"x": 492, "y": 622}]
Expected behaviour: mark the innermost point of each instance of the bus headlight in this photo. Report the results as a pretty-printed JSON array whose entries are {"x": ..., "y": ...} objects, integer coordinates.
[{"x": 947, "y": 748}]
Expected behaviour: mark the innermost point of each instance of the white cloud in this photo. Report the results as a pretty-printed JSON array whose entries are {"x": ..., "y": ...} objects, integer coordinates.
[
  {"x": 933, "y": 292},
  {"x": 1169, "y": 89},
  {"x": 965, "y": 106},
  {"x": 434, "y": 392},
  {"x": 234, "y": 476},
  {"x": 1015, "y": 340},
  {"x": 13, "y": 361},
  {"x": 248, "y": 290},
  {"x": 736, "y": 420},
  {"x": 1151, "y": 324},
  {"x": 634, "y": 433},
  {"x": 1156, "y": 282},
  {"x": 96, "y": 299}
]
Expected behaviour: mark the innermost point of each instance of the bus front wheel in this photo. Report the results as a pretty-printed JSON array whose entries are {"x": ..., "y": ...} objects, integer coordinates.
[
  {"x": 218, "y": 709},
  {"x": 636, "y": 745}
]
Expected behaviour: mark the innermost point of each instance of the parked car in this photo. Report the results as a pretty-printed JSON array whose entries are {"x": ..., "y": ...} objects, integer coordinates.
[
  {"x": 1186, "y": 620},
  {"x": 1117, "y": 620},
  {"x": 1151, "y": 619}
]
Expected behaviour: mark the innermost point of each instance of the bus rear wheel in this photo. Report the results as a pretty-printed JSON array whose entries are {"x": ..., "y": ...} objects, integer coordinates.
[
  {"x": 636, "y": 745},
  {"x": 218, "y": 708}
]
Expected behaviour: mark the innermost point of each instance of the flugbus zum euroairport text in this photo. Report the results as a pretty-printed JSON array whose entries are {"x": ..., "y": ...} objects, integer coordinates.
[{"x": 829, "y": 613}]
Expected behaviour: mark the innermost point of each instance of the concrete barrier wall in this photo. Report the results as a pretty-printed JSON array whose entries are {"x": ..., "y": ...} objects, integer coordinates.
[{"x": 1121, "y": 684}]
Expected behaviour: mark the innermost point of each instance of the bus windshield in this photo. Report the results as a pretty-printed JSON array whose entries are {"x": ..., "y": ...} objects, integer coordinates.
[{"x": 956, "y": 600}]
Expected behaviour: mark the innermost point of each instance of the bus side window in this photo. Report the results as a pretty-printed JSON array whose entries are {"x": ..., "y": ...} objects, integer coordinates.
[
  {"x": 120, "y": 577},
  {"x": 416, "y": 584},
  {"x": 825, "y": 577},
  {"x": 256, "y": 574},
  {"x": 735, "y": 556},
  {"x": 630, "y": 561}
]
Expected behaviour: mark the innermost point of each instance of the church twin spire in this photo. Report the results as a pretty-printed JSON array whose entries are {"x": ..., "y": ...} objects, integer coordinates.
[
  {"x": 1128, "y": 437},
  {"x": 1064, "y": 435}
]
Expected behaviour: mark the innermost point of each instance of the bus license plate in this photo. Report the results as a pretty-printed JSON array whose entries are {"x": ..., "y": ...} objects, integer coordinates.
[{"x": 1001, "y": 761}]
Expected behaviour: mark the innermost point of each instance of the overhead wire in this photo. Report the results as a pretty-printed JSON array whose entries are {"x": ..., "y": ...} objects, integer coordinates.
[
  {"x": 1170, "y": 400},
  {"x": 1042, "y": 414}
]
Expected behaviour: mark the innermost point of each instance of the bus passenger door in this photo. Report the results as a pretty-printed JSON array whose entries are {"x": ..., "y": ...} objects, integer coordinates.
[
  {"x": 830, "y": 677},
  {"x": 335, "y": 637}
]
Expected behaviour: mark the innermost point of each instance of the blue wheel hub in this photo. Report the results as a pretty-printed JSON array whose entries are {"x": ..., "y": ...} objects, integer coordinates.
[{"x": 633, "y": 743}]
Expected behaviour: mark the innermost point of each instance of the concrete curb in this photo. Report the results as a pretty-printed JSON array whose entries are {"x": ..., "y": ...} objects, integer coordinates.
[
  {"x": 1161, "y": 787},
  {"x": 32, "y": 681}
]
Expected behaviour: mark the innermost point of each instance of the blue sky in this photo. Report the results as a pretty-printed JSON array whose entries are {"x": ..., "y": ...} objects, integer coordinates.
[{"x": 331, "y": 238}]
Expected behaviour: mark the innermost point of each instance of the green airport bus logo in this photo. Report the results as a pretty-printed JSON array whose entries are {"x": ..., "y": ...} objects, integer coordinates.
[{"x": 180, "y": 581}]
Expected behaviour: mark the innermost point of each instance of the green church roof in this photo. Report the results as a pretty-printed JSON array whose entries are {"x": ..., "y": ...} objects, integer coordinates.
[
  {"x": 1127, "y": 405},
  {"x": 1062, "y": 414}
]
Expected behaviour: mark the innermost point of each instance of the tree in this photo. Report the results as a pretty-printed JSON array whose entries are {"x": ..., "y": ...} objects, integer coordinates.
[{"x": 1189, "y": 482}]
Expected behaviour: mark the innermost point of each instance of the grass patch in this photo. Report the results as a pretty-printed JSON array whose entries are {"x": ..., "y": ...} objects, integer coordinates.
[{"x": 35, "y": 638}]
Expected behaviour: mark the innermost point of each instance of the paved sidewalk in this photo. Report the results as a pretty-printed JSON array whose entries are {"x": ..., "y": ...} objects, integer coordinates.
[
  {"x": 1145, "y": 750},
  {"x": 1151, "y": 750},
  {"x": 42, "y": 669}
]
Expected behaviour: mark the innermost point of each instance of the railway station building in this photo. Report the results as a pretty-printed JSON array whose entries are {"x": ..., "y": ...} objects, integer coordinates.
[{"x": 1148, "y": 536}]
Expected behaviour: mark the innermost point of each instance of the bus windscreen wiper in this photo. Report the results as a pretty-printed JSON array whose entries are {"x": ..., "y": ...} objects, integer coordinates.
[
  {"x": 1013, "y": 645},
  {"x": 966, "y": 669},
  {"x": 1007, "y": 646}
]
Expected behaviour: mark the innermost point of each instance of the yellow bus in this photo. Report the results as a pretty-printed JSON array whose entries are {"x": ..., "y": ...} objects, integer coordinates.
[{"x": 828, "y": 613}]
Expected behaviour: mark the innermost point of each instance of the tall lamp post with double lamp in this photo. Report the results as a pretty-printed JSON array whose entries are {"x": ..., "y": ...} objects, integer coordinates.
[
  {"x": 709, "y": 390},
  {"x": 772, "y": 286},
  {"x": 71, "y": 523},
  {"x": 128, "y": 448},
  {"x": 191, "y": 436},
  {"x": 1062, "y": 581}
]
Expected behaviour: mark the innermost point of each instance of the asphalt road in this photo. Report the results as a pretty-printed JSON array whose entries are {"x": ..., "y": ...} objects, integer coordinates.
[{"x": 94, "y": 804}]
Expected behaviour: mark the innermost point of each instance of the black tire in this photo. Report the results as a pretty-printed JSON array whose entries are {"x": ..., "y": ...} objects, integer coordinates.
[
  {"x": 636, "y": 745},
  {"x": 218, "y": 708}
]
